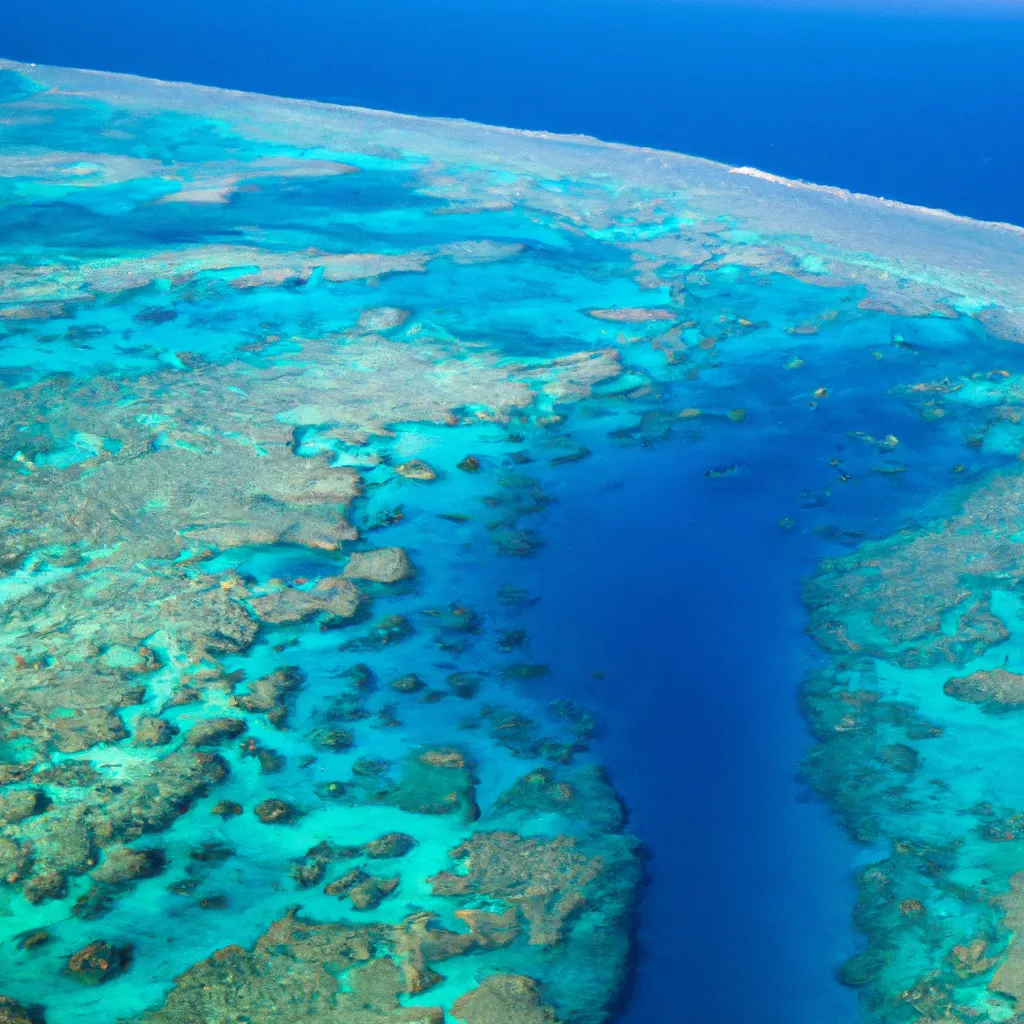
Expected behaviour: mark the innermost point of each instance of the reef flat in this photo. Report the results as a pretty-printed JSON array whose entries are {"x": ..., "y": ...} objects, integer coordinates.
[{"x": 285, "y": 393}]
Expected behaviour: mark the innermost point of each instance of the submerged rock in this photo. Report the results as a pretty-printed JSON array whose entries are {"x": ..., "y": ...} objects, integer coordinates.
[
  {"x": 218, "y": 901},
  {"x": 464, "y": 684},
  {"x": 99, "y": 962},
  {"x": 503, "y": 999},
  {"x": 96, "y": 903},
  {"x": 994, "y": 689},
  {"x": 330, "y": 790},
  {"x": 386, "y": 718},
  {"x": 333, "y": 597},
  {"x": 310, "y": 870},
  {"x": 347, "y": 707},
  {"x": 33, "y": 938},
  {"x": 370, "y": 767},
  {"x": 634, "y": 314},
  {"x": 416, "y": 469},
  {"x": 364, "y": 891},
  {"x": 515, "y": 541},
  {"x": 18, "y": 804},
  {"x": 122, "y": 864},
  {"x": 212, "y": 852},
  {"x": 434, "y": 781},
  {"x": 361, "y": 677},
  {"x": 548, "y": 879},
  {"x": 408, "y": 683},
  {"x": 270, "y": 761},
  {"x": 585, "y": 794},
  {"x": 298, "y": 967},
  {"x": 12, "y": 772},
  {"x": 510, "y": 639},
  {"x": 110, "y": 813},
  {"x": 524, "y": 673},
  {"x": 275, "y": 812},
  {"x": 12, "y": 1012},
  {"x": 370, "y": 892},
  {"x": 1009, "y": 978},
  {"x": 394, "y": 844},
  {"x": 516, "y": 597},
  {"x": 331, "y": 739},
  {"x": 152, "y": 731},
  {"x": 49, "y": 885},
  {"x": 379, "y": 319},
  {"x": 69, "y": 773},
  {"x": 392, "y": 629},
  {"x": 381, "y": 565},
  {"x": 272, "y": 694},
  {"x": 213, "y": 731},
  {"x": 85, "y": 728}
]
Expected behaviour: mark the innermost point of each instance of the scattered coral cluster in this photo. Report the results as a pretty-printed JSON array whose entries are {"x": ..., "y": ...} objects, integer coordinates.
[
  {"x": 916, "y": 719},
  {"x": 124, "y": 706},
  {"x": 205, "y": 716}
]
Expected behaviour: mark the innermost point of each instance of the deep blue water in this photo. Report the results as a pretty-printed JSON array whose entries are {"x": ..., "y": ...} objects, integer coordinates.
[
  {"x": 694, "y": 618},
  {"x": 923, "y": 108}
]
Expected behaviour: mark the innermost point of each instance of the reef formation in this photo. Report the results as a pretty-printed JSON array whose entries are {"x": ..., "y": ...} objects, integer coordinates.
[{"x": 284, "y": 392}]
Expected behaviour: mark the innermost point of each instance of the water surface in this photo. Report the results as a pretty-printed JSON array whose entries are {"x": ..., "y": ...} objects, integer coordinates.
[{"x": 457, "y": 574}]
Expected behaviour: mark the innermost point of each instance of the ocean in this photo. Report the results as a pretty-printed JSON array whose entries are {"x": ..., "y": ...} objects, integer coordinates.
[
  {"x": 917, "y": 102},
  {"x": 771, "y": 412}
]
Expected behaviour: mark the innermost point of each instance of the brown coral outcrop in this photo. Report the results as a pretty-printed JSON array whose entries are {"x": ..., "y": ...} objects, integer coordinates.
[
  {"x": 417, "y": 469},
  {"x": 275, "y": 812},
  {"x": 546, "y": 880},
  {"x": 996, "y": 688},
  {"x": 14, "y": 1013},
  {"x": 270, "y": 694},
  {"x": 307, "y": 973},
  {"x": 333, "y": 597},
  {"x": 381, "y": 565},
  {"x": 108, "y": 814},
  {"x": 212, "y": 731},
  {"x": 122, "y": 864},
  {"x": 502, "y": 999},
  {"x": 152, "y": 731},
  {"x": 18, "y": 804},
  {"x": 99, "y": 962},
  {"x": 889, "y": 598}
]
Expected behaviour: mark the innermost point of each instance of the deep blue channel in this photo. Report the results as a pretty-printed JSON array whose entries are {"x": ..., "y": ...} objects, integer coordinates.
[{"x": 684, "y": 596}]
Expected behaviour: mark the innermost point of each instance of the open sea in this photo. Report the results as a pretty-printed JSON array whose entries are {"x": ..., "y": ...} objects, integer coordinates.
[
  {"x": 920, "y": 102},
  {"x": 667, "y": 582}
]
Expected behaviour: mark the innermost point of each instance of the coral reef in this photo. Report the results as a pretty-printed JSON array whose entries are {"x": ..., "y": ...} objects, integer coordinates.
[
  {"x": 14, "y": 1013},
  {"x": 99, "y": 962},
  {"x": 330, "y": 972},
  {"x": 546, "y": 881},
  {"x": 222, "y": 370},
  {"x": 381, "y": 565},
  {"x": 991, "y": 688},
  {"x": 899, "y": 762},
  {"x": 504, "y": 997}
]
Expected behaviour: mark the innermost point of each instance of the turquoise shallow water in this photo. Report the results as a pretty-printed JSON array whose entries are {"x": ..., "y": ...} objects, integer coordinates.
[{"x": 451, "y": 574}]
